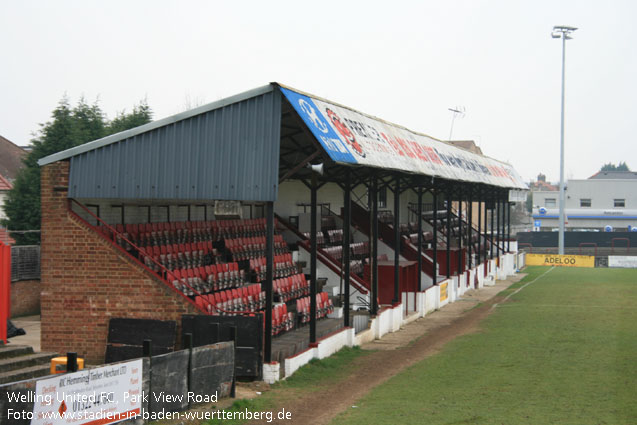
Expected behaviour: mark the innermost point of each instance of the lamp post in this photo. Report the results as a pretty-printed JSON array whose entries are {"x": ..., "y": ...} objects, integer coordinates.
[{"x": 563, "y": 32}]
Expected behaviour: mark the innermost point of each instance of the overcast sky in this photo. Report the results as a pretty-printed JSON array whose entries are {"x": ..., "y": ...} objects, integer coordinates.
[{"x": 404, "y": 61}]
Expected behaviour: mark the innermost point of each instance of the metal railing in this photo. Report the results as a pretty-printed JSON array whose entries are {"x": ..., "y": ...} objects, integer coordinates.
[
  {"x": 163, "y": 274},
  {"x": 25, "y": 262}
]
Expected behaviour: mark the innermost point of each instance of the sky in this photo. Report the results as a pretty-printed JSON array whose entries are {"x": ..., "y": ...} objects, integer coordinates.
[{"x": 407, "y": 62}]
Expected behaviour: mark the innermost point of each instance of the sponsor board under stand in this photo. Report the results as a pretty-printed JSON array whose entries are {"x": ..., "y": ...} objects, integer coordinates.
[
  {"x": 443, "y": 291},
  {"x": 560, "y": 260},
  {"x": 99, "y": 396}
]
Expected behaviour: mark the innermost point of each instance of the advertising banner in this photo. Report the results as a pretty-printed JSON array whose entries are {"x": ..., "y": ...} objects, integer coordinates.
[
  {"x": 99, "y": 396},
  {"x": 560, "y": 260},
  {"x": 443, "y": 291},
  {"x": 622, "y": 261},
  {"x": 351, "y": 137}
]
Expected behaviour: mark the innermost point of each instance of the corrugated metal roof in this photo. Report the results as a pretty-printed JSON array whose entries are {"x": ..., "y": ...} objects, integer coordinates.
[
  {"x": 226, "y": 150},
  {"x": 229, "y": 149}
]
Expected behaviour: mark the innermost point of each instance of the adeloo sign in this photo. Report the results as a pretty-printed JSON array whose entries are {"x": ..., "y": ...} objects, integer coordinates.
[{"x": 560, "y": 260}]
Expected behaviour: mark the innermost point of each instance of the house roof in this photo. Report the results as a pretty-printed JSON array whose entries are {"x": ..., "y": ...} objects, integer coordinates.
[
  {"x": 468, "y": 145},
  {"x": 5, "y": 184},
  {"x": 11, "y": 156},
  {"x": 5, "y": 238},
  {"x": 614, "y": 175}
]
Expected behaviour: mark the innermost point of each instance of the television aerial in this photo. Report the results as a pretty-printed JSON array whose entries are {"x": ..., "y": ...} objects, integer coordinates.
[{"x": 458, "y": 111}]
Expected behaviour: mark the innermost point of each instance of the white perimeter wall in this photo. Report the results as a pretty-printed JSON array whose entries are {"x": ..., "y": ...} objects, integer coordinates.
[{"x": 391, "y": 318}]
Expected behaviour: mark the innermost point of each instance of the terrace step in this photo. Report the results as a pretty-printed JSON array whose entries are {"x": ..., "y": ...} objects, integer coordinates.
[
  {"x": 26, "y": 373},
  {"x": 25, "y": 361},
  {"x": 8, "y": 351}
]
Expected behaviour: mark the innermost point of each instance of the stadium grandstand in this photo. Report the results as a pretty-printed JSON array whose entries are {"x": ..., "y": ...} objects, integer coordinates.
[{"x": 262, "y": 207}]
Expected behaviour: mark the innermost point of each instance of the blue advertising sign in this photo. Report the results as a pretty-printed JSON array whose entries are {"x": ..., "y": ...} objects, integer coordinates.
[
  {"x": 319, "y": 126},
  {"x": 537, "y": 223}
]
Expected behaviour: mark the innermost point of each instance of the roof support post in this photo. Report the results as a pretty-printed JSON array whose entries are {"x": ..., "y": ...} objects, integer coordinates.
[
  {"x": 374, "y": 245},
  {"x": 347, "y": 222},
  {"x": 434, "y": 193},
  {"x": 479, "y": 256},
  {"x": 419, "y": 189},
  {"x": 469, "y": 228},
  {"x": 480, "y": 243},
  {"x": 397, "y": 238},
  {"x": 448, "y": 194},
  {"x": 313, "y": 230},
  {"x": 491, "y": 246},
  {"x": 498, "y": 213},
  {"x": 504, "y": 224},
  {"x": 269, "y": 258},
  {"x": 460, "y": 270},
  {"x": 508, "y": 226}
]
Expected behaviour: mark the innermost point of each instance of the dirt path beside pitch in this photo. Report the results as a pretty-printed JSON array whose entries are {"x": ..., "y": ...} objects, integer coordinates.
[{"x": 395, "y": 352}]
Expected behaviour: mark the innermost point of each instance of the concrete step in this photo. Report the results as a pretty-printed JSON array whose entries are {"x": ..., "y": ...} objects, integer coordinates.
[
  {"x": 8, "y": 351},
  {"x": 26, "y": 373},
  {"x": 22, "y": 362}
]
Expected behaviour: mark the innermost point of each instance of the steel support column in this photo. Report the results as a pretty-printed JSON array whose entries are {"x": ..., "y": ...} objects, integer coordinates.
[
  {"x": 420, "y": 288},
  {"x": 396, "y": 298},
  {"x": 313, "y": 230},
  {"x": 469, "y": 229},
  {"x": 491, "y": 246},
  {"x": 459, "y": 236},
  {"x": 269, "y": 258},
  {"x": 434, "y": 193},
  {"x": 448, "y": 194},
  {"x": 347, "y": 222},
  {"x": 479, "y": 256},
  {"x": 374, "y": 245},
  {"x": 508, "y": 226},
  {"x": 498, "y": 211}
]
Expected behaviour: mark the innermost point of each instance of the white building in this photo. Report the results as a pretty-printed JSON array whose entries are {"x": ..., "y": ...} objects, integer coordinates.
[{"x": 605, "y": 201}]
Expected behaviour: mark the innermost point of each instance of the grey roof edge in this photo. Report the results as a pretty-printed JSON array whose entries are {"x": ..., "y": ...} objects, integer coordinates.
[
  {"x": 382, "y": 120},
  {"x": 436, "y": 176},
  {"x": 68, "y": 153}
]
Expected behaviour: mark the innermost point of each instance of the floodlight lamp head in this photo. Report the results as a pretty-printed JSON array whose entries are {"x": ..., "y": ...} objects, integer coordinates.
[
  {"x": 564, "y": 28},
  {"x": 318, "y": 168},
  {"x": 556, "y": 35}
]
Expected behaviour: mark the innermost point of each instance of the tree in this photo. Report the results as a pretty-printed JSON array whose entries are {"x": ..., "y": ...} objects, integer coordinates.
[
  {"x": 622, "y": 166},
  {"x": 69, "y": 127},
  {"x": 141, "y": 115}
]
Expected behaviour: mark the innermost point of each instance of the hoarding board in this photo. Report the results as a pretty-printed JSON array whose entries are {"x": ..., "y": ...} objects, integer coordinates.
[
  {"x": 351, "y": 137},
  {"x": 443, "y": 291},
  {"x": 103, "y": 395},
  {"x": 560, "y": 260},
  {"x": 622, "y": 261}
]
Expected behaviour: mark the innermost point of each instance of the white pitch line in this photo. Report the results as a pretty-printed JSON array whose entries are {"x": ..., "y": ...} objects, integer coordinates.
[
  {"x": 570, "y": 305},
  {"x": 522, "y": 287}
]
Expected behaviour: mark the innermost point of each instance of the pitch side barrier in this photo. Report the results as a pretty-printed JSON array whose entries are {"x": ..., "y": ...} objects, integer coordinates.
[
  {"x": 616, "y": 240},
  {"x": 391, "y": 318}
]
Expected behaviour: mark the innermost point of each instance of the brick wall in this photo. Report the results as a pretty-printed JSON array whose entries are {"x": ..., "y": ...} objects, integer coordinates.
[
  {"x": 86, "y": 281},
  {"x": 25, "y": 298}
]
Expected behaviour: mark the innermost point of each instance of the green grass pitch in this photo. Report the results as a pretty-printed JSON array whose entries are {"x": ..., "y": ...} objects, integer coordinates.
[{"x": 563, "y": 350}]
